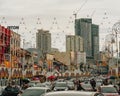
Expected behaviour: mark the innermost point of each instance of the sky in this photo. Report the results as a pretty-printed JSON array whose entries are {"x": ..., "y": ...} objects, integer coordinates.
[{"x": 57, "y": 17}]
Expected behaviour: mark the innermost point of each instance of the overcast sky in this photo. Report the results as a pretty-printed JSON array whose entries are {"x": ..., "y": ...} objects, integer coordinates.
[{"x": 57, "y": 16}]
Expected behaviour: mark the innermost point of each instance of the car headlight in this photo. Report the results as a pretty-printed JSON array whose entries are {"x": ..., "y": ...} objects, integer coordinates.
[
  {"x": 66, "y": 89},
  {"x": 55, "y": 89}
]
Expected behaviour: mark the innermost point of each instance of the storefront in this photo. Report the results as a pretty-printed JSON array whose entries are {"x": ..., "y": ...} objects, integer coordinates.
[
  {"x": 4, "y": 76},
  {"x": 28, "y": 74}
]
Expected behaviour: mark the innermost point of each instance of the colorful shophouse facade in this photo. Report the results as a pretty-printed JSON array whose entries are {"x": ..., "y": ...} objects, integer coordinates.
[{"x": 12, "y": 57}]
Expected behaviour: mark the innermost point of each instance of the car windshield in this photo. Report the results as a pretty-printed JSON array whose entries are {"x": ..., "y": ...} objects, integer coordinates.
[
  {"x": 33, "y": 92},
  {"x": 60, "y": 85},
  {"x": 108, "y": 90},
  {"x": 70, "y": 83},
  {"x": 40, "y": 85}
]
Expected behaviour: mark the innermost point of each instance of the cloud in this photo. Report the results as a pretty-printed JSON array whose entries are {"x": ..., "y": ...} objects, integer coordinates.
[{"x": 46, "y": 10}]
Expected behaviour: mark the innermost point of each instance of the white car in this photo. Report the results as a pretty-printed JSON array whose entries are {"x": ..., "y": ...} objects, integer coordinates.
[
  {"x": 60, "y": 86},
  {"x": 108, "y": 90},
  {"x": 1, "y": 89},
  {"x": 72, "y": 93},
  {"x": 35, "y": 91}
]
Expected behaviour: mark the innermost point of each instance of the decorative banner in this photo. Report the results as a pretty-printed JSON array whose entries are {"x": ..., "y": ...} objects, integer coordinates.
[{"x": 7, "y": 64}]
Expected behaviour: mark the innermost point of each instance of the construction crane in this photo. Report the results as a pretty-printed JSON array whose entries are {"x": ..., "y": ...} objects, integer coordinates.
[
  {"x": 91, "y": 14},
  {"x": 75, "y": 13}
]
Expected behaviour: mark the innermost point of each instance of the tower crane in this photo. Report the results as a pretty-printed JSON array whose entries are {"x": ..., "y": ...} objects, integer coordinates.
[
  {"x": 93, "y": 13},
  {"x": 75, "y": 13}
]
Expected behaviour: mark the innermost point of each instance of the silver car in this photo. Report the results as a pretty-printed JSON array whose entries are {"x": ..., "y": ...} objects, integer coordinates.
[
  {"x": 35, "y": 91},
  {"x": 73, "y": 93},
  {"x": 60, "y": 86}
]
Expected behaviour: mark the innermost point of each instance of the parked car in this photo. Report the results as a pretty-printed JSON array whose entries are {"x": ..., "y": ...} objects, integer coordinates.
[
  {"x": 70, "y": 85},
  {"x": 33, "y": 83},
  {"x": 1, "y": 89},
  {"x": 108, "y": 90},
  {"x": 35, "y": 91},
  {"x": 41, "y": 85},
  {"x": 72, "y": 93},
  {"x": 60, "y": 86}
]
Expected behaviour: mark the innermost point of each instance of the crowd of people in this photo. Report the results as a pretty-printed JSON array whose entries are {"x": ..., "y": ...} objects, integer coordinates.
[
  {"x": 93, "y": 84},
  {"x": 12, "y": 89}
]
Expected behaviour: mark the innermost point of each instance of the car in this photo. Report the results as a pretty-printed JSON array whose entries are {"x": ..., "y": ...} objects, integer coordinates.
[
  {"x": 35, "y": 91},
  {"x": 70, "y": 85},
  {"x": 60, "y": 86},
  {"x": 1, "y": 89},
  {"x": 42, "y": 85},
  {"x": 60, "y": 80},
  {"x": 87, "y": 86},
  {"x": 33, "y": 83},
  {"x": 73, "y": 93},
  {"x": 108, "y": 90}
]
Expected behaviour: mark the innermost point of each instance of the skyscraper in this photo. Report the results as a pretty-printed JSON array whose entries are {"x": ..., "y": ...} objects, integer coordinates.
[
  {"x": 95, "y": 40},
  {"x": 74, "y": 43},
  {"x": 43, "y": 41},
  {"x": 87, "y": 30}
]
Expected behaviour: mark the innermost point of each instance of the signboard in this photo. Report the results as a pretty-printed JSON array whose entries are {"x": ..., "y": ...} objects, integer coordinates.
[
  {"x": 49, "y": 57},
  {"x": 13, "y": 27}
]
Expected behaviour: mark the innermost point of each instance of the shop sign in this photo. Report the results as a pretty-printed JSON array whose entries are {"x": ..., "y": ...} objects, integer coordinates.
[{"x": 13, "y": 27}]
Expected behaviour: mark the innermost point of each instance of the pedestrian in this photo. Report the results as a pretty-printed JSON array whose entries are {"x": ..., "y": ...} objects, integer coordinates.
[
  {"x": 93, "y": 84},
  {"x": 79, "y": 86},
  {"x": 105, "y": 82},
  {"x": 16, "y": 88},
  {"x": 20, "y": 92},
  {"x": 25, "y": 86},
  {"x": 8, "y": 90},
  {"x": 118, "y": 87}
]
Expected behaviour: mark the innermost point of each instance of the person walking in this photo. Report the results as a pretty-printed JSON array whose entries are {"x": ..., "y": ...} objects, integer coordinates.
[
  {"x": 105, "y": 82},
  {"x": 93, "y": 84},
  {"x": 11, "y": 90},
  {"x": 8, "y": 90},
  {"x": 79, "y": 86},
  {"x": 20, "y": 92},
  {"x": 16, "y": 88}
]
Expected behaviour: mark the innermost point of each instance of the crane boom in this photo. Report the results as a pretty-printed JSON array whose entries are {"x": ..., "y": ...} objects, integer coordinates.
[{"x": 75, "y": 13}]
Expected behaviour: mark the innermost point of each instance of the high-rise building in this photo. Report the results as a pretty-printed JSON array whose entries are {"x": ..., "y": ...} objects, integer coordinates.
[
  {"x": 74, "y": 43},
  {"x": 74, "y": 47},
  {"x": 95, "y": 40},
  {"x": 90, "y": 34},
  {"x": 43, "y": 41}
]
